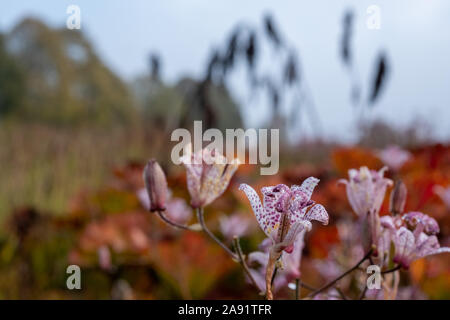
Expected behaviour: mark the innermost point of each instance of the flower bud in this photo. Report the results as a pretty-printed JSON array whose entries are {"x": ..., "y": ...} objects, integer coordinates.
[
  {"x": 156, "y": 185},
  {"x": 398, "y": 198}
]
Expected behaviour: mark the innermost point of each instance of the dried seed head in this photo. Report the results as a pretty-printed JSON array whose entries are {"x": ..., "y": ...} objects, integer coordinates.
[
  {"x": 156, "y": 185},
  {"x": 398, "y": 198}
]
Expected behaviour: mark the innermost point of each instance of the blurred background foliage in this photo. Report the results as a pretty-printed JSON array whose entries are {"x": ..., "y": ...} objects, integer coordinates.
[{"x": 74, "y": 137}]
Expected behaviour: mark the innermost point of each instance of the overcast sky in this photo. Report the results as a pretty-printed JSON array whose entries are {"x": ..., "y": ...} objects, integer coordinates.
[{"x": 414, "y": 33}]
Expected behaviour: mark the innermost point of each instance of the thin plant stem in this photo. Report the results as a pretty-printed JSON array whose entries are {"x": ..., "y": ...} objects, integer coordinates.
[
  {"x": 270, "y": 271},
  {"x": 297, "y": 288},
  {"x": 244, "y": 265},
  {"x": 391, "y": 270},
  {"x": 171, "y": 223},
  {"x": 330, "y": 284},
  {"x": 307, "y": 286},
  {"x": 201, "y": 220},
  {"x": 273, "y": 276}
]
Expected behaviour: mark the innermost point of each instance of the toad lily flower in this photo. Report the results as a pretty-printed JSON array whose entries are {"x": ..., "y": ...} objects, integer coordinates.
[
  {"x": 208, "y": 175},
  {"x": 365, "y": 192},
  {"x": 286, "y": 212},
  {"x": 410, "y": 247},
  {"x": 421, "y": 222},
  {"x": 413, "y": 236},
  {"x": 366, "y": 189}
]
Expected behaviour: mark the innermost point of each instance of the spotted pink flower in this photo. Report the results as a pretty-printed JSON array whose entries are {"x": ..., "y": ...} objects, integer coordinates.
[
  {"x": 394, "y": 157},
  {"x": 421, "y": 222},
  {"x": 365, "y": 192},
  {"x": 286, "y": 211},
  {"x": 366, "y": 189},
  {"x": 410, "y": 246},
  {"x": 413, "y": 236},
  {"x": 208, "y": 175}
]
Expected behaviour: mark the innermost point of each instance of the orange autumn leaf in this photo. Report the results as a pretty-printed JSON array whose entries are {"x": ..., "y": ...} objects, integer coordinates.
[
  {"x": 349, "y": 158},
  {"x": 417, "y": 270}
]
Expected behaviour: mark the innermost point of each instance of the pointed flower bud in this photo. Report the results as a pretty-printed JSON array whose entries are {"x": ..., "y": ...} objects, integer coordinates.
[
  {"x": 156, "y": 185},
  {"x": 398, "y": 198}
]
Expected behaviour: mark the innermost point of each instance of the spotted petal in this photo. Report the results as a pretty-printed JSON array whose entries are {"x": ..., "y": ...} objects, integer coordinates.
[
  {"x": 307, "y": 186},
  {"x": 318, "y": 213},
  {"x": 294, "y": 231},
  {"x": 216, "y": 180},
  {"x": 404, "y": 245},
  {"x": 193, "y": 176},
  {"x": 273, "y": 198},
  {"x": 426, "y": 245},
  {"x": 255, "y": 202}
]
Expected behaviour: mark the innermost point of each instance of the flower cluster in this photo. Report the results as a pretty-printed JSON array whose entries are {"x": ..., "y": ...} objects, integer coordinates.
[
  {"x": 285, "y": 214},
  {"x": 413, "y": 235}
]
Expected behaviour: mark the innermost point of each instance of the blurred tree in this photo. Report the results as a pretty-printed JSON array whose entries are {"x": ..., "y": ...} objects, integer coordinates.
[
  {"x": 172, "y": 106},
  {"x": 65, "y": 81},
  {"x": 11, "y": 82}
]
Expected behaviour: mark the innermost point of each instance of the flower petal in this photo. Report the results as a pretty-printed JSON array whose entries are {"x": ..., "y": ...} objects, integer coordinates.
[
  {"x": 260, "y": 257},
  {"x": 272, "y": 196},
  {"x": 292, "y": 234},
  {"x": 441, "y": 250},
  {"x": 255, "y": 202},
  {"x": 193, "y": 177},
  {"x": 404, "y": 245},
  {"x": 318, "y": 213},
  {"x": 426, "y": 245},
  {"x": 307, "y": 186}
]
